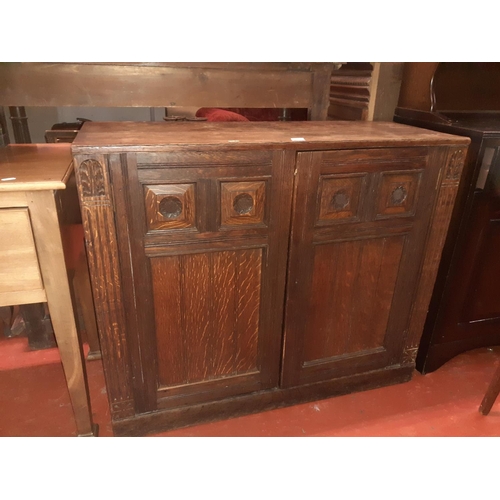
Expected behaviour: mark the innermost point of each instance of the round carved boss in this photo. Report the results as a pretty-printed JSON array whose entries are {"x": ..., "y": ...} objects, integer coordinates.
[
  {"x": 339, "y": 200},
  {"x": 399, "y": 195},
  {"x": 170, "y": 207},
  {"x": 243, "y": 204}
]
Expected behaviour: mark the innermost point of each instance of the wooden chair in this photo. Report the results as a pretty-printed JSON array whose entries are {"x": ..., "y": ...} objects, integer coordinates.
[{"x": 491, "y": 393}]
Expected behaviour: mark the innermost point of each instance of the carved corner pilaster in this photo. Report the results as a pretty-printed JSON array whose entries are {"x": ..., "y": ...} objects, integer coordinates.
[
  {"x": 95, "y": 195},
  {"x": 454, "y": 167},
  {"x": 454, "y": 160}
]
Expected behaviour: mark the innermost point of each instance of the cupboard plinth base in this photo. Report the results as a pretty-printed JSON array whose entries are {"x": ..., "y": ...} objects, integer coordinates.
[{"x": 165, "y": 420}]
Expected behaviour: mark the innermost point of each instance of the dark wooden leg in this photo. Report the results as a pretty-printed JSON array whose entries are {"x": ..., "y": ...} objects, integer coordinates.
[
  {"x": 38, "y": 327},
  {"x": 20, "y": 124},
  {"x": 83, "y": 295},
  {"x": 6, "y": 320},
  {"x": 4, "y": 131},
  {"x": 491, "y": 393}
]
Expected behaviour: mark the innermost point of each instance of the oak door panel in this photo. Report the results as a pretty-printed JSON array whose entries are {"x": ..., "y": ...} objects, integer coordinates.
[
  {"x": 354, "y": 285},
  {"x": 207, "y": 315},
  {"x": 204, "y": 274},
  {"x": 359, "y": 224}
]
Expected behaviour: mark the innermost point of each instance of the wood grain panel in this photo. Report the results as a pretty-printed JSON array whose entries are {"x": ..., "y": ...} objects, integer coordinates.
[
  {"x": 207, "y": 314},
  {"x": 377, "y": 276},
  {"x": 164, "y": 84},
  {"x": 247, "y": 308},
  {"x": 242, "y": 203},
  {"x": 151, "y": 137},
  {"x": 170, "y": 206},
  {"x": 353, "y": 285},
  {"x": 19, "y": 270},
  {"x": 339, "y": 197},
  {"x": 398, "y": 193},
  {"x": 223, "y": 341},
  {"x": 196, "y": 315},
  {"x": 166, "y": 274}
]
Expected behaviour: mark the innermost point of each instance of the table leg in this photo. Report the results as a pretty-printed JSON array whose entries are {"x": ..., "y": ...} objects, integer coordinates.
[
  {"x": 6, "y": 320},
  {"x": 45, "y": 223},
  {"x": 37, "y": 326},
  {"x": 83, "y": 294}
]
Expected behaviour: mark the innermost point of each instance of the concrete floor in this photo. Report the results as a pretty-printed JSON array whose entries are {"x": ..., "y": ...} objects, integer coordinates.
[{"x": 34, "y": 402}]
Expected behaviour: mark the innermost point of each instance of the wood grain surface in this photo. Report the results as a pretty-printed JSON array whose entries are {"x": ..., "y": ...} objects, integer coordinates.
[
  {"x": 19, "y": 269},
  {"x": 156, "y": 136},
  {"x": 304, "y": 272},
  {"x": 35, "y": 167}
]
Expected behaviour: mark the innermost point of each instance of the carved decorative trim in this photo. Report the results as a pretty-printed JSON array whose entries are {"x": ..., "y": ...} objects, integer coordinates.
[
  {"x": 409, "y": 355},
  {"x": 93, "y": 184},
  {"x": 455, "y": 164},
  {"x": 399, "y": 195},
  {"x": 340, "y": 200},
  {"x": 170, "y": 206},
  {"x": 243, "y": 203}
]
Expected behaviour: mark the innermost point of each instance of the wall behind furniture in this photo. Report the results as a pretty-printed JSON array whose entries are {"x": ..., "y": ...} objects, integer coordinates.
[{"x": 41, "y": 119}]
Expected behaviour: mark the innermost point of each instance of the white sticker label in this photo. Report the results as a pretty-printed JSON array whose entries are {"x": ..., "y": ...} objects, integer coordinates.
[
  {"x": 297, "y": 139},
  {"x": 233, "y": 140}
]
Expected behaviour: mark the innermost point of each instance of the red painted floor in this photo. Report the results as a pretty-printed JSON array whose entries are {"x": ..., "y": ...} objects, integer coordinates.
[{"x": 34, "y": 402}]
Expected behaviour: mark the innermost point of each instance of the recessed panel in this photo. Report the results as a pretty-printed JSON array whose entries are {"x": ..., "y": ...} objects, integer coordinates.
[
  {"x": 353, "y": 285},
  {"x": 170, "y": 206},
  {"x": 398, "y": 194},
  {"x": 340, "y": 197},
  {"x": 242, "y": 203},
  {"x": 207, "y": 315}
]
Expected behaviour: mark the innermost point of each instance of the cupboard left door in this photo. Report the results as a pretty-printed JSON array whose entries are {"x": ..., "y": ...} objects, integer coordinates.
[{"x": 201, "y": 242}]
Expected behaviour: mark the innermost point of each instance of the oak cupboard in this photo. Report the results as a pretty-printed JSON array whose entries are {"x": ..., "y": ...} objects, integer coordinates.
[{"x": 242, "y": 267}]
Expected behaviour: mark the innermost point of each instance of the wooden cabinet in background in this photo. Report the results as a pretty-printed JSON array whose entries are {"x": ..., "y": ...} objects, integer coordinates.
[
  {"x": 242, "y": 267},
  {"x": 462, "y": 99}
]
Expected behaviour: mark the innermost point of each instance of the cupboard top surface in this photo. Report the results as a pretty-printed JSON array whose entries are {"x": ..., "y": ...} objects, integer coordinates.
[
  {"x": 34, "y": 166},
  {"x": 158, "y": 136}
]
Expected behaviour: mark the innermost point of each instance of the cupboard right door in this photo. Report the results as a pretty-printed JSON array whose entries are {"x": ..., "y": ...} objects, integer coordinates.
[{"x": 359, "y": 225}]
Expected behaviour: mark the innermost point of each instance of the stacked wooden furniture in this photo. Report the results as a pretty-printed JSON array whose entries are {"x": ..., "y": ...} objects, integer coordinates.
[
  {"x": 217, "y": 85},
  {"x": 33, "y": 208},
  {"x": 238, "y": 267},
  {"x": 365, "y": 91},
  {"x": 462, "y": 99}
]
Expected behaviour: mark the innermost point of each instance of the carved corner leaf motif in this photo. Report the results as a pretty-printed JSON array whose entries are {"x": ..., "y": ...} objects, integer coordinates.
[
  {"x": 455, "y": 165},
  {"x": 92, "y": 179},
  {"x": 410, "y": 355}
]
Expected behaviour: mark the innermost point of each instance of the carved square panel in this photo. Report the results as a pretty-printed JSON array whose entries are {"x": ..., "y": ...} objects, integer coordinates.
[
  {"x": 340, "y": 196},
  {"x": 398, "y": 193},
  {"x": 170, "y": 206},
  {"x": 243, "y": 203}
]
